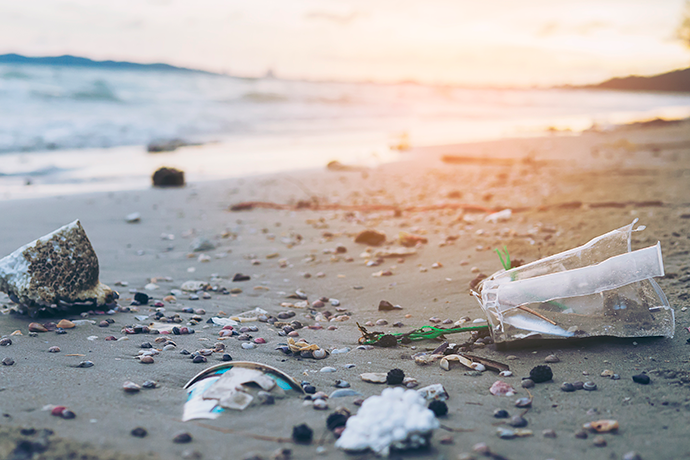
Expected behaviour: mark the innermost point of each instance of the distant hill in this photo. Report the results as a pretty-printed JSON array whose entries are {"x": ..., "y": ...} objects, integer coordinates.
[
  {"x": 75, "y": 61},
  {"x": 676, "y": 81}
]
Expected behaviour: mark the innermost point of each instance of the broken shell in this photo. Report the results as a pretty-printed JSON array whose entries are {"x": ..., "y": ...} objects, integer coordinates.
[
  {"x": 604, "y": 426},
  {"x": 37, "y": 327},
  {"x": 500, "y": 388},
  {"x": 130, "y": 387},
  {"x": 374, "y": 377},
  {"x": 56, "y": 271}
]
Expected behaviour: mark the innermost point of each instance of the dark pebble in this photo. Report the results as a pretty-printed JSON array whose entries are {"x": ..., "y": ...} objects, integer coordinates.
[
  {"x": 302, "y": 434},
  {"x": 182, "y": 438},
  {"x": 240, "y": 277},
  {"x": 146, "y": 345},
  {"x": 517, "y": 422},
  {"x": 85, "y": 364},
  {"x": 139, "y": 432},
  {"x": 387, "y": 341},
  {"x": 567, "y": 387},
  {"x": 395, "y": 377},
  {"x": 336, "y": 420},
  {"x": 501, "y": 413},
  {"x": 7, "y": 362},
  {"x": 642, "y": 379},
  {"x": 579, "y": 385},
  {"x": 184, "y": 352},
  {"x": 226, "y": 357},
  {"x": 68, "y": 414},
  {"x": 523, "y": 402},
  {"x": 582, "y": 434},
  {"x": 439, "y": 408},
  {"x": 149, "y": 384},
  {"x": 60, "y": 330},
  {"x": 5, "y": 342},
  {"x": 309, "y": 389},
  {"x": 199, "y": 359},
  {"x": 540, "y": 374}
]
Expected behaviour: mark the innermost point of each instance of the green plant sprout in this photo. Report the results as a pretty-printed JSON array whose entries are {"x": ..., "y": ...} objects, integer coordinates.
[{"x": 505, "y": 262}]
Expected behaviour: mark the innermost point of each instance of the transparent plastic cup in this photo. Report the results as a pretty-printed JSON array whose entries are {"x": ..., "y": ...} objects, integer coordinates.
[{"x": 598, "y": 289}]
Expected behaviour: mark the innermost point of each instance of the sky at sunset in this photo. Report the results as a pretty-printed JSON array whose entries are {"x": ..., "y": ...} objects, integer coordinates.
[{"x": 494, "y": 42}]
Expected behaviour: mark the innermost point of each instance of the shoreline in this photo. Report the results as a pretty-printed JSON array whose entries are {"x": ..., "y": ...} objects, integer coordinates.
[{"x": 617, "y": 167}]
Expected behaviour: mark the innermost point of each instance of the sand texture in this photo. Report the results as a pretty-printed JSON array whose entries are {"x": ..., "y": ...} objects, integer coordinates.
[{"x": 616, "y": 176}]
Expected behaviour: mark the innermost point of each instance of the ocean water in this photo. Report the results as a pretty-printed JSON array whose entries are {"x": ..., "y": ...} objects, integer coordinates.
[{"x": 66, "y": 129}]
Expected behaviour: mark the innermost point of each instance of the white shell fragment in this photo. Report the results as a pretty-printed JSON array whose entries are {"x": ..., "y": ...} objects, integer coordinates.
[
  {"x": 397, "y": 419},
  {"x": 433, "y": 392}
]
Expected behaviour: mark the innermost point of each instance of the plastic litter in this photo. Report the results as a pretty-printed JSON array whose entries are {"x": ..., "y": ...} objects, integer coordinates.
[
  {"x": 601, "y": 288},
  {"x": 398, "y": 419},
  {"x": 235, "y": 386}
]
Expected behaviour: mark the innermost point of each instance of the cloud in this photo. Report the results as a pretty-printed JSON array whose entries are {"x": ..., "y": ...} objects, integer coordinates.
[{"x": 331, "y": 16}]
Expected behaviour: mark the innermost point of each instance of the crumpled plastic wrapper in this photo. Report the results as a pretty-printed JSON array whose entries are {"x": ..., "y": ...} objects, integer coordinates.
[{"x": 601, "y": 288}]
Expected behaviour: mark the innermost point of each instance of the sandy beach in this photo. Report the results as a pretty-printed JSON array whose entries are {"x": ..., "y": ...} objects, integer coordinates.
[{"x": 616, "y": 176}]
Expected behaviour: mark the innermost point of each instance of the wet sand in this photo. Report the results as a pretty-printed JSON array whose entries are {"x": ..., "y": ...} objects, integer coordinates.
[{"x": 629, "y": 170}]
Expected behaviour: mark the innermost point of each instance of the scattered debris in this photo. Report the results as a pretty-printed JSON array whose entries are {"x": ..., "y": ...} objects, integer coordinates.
[{"x": 168, "y": 177}]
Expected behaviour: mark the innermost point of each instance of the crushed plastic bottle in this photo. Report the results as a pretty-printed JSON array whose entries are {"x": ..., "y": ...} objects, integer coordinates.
[{"x": 601, "y": 288}]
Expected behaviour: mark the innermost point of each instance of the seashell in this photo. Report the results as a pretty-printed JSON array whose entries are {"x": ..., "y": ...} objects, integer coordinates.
[
  {"x": 58, "y": 271},
  {"x": 505, "y": 374},
  {"x": 194, "y": 286},
  {"x": 319, "y": 354},
  {"x": 445, "y": 364},
  {"x": 65, "y": 324},
  {"x": 607, "y": 373},
  {"x": 523, "y": 402},
  {"x": 604, "y": 426},
  {"x": 37, "y": 327},
  {"x": 478, "y": 367},
  {"x": 433, "y": 392},
  {"x": 500, "y": 388},
  {"x": 344, "y": 392},
  {"x": 589, "y": 386},
  {"x": 374, "y": 377}
]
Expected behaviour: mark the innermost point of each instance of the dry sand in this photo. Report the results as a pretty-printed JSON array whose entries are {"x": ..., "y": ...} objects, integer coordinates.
[{"x": 625, "y": 166}]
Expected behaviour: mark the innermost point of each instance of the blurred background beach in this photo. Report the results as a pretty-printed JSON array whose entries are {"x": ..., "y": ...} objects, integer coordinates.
[{"x": 266, "y": 86}]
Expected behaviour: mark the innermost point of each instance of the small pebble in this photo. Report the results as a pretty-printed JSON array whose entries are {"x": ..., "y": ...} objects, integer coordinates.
[
  {"x": 202, "y": 359},
  {"x": 248, "y": 346},
  {"x": 5, "y": 342},
  {"x": 642, "y": 379},
  {"x": 599, "y": 441},
  {"x": 527, "y": 383},
  {"x": 567, "y": 387},
  {"x": 85, "y": 364},
  {"x": 552, "y": 359},
  {"x": 578, "y": 385},
  {"x": 439, "y": 408},
  {"x": 320, "y": 404},
  {"x": 146, "y": 360},
  {"x": 517, "y": 422},
  {"x": 149, "y": 384},
  {"x": 342, "y": 384},
  {"x": 395, "y": 377},
  {"x": 7, "y": 362},
  {"x": 130, "y": 387},
  {"x": 68, "y": 414},
  {"x": 309, "y": 389},
  {"x": 54, "y": 349},
  {"x": 302, "y": 434},
  {"x": 581, "y": 434},
  {"x": 182, "y": 438},
  {"x": 226, "y": 357},
  {"x": 632, "y": 455},
  {"x": 540, "y": 374},
  {"x": 139, "y": 432},
  {"x": 548, "y": 433},
  {"x": 328, "y": 369},
  {"x": 259, "y": 340},
  {"x": 501, "y": 413}
]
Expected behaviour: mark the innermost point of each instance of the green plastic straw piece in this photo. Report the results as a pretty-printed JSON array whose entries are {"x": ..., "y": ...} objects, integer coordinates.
[
  {"x": 430, "y": 332},
  {"x": 506, "y": 263}
]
